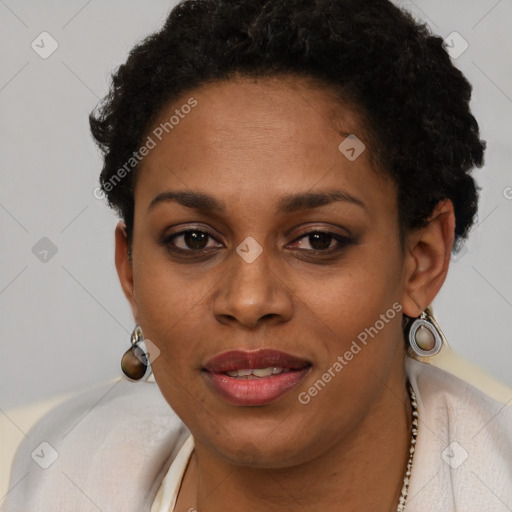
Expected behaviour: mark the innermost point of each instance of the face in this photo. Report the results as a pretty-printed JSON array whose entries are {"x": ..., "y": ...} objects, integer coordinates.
[{"x": 296, "y": 249}]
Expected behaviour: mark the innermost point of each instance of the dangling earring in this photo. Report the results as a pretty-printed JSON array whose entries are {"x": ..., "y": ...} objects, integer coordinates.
[
  {"x": 135, "y": 361},
  {"x": 425, "y": 336}
]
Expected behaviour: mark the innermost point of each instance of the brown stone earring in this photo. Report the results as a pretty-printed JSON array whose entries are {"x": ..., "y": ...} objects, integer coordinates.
[
  {"x": 425, "y": 336},
  {"x": 135, "y": 361}
]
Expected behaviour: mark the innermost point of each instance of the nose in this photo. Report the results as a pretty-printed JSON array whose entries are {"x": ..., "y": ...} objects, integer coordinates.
[{"x": 252, "y": 292}]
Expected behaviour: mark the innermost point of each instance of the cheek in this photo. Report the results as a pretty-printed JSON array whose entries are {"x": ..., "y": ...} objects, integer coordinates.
[
  {"x": 169, "y": 310},
  {"x": 356, "y": 294},
  {"x": 357, "y": 315}
]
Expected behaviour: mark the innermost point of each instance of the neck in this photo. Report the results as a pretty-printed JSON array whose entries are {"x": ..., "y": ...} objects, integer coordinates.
[{"x": 364, "y": 471}]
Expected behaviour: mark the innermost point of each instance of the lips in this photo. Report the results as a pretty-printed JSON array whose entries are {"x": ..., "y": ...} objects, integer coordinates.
[
  {"x": 245, "y": 388},
  {"x": 239, "y": 359}
]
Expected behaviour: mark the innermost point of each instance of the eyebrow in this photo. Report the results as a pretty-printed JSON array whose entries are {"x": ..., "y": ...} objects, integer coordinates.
[{"x": 287, "y": 204}]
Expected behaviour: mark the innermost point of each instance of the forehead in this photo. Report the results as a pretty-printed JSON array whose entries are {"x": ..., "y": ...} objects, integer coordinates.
[{"x": 257, "y": 140}]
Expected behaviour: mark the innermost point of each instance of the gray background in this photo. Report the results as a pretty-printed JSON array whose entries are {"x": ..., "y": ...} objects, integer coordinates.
[{"x": 65, "y": 322}]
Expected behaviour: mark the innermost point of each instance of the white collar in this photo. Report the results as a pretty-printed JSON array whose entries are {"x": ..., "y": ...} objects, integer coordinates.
[{"x": 463, "y": 452}]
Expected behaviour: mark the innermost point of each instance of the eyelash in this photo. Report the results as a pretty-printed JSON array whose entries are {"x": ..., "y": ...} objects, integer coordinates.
[{"x": 343, "y": 242}]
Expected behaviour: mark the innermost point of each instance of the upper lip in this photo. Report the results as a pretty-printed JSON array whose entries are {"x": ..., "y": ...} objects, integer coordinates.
[{"x": 263, "y": 358}]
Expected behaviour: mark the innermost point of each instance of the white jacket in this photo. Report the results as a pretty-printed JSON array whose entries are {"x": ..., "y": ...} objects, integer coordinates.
[{"x": 115, "y": 446}]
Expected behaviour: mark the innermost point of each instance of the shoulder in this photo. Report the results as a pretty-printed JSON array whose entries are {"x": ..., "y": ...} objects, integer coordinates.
[
  {"x": 105, "y": 448},
  {"x": 464, "y": 448},
  {"x": 467, "y": 405}
]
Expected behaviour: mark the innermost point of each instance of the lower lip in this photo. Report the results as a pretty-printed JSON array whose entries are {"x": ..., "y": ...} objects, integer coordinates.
[{"x": 260, "y": 391}]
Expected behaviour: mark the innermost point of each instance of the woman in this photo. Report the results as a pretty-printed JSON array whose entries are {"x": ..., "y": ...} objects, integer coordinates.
[{"x": 292, "y": 178}]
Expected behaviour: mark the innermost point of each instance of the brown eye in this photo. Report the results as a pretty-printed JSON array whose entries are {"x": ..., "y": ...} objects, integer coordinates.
[
  {"x": 195, "y": 239},
  {"x": 321, "y": 241},
  {"x": 192, "y": 240}
]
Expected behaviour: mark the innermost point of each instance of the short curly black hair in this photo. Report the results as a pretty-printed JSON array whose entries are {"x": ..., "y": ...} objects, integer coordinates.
[{"x": 413, "y": 100}]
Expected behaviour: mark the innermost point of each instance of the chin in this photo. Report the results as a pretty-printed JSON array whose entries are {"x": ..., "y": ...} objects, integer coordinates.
[{"x": 268, "y": 451}]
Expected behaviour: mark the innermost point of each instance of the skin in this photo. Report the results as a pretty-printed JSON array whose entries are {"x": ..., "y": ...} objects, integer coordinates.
[{"x": 248, "y": 143}]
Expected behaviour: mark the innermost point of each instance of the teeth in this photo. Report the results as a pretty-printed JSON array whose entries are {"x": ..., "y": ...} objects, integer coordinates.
[
  {"x": 262, "y": 372},
  {"x": 258, "y": 372}
]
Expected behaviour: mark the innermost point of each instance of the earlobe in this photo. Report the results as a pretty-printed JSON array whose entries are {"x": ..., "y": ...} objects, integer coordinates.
[
  {"x": 124, "y": 266},
  {"x": 427, "y": 259}
]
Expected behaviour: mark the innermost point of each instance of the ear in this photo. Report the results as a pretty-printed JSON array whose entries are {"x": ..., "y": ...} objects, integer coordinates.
[
  {"x": 124, "y": 266},
  {"x": 427, "y": 258}
]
